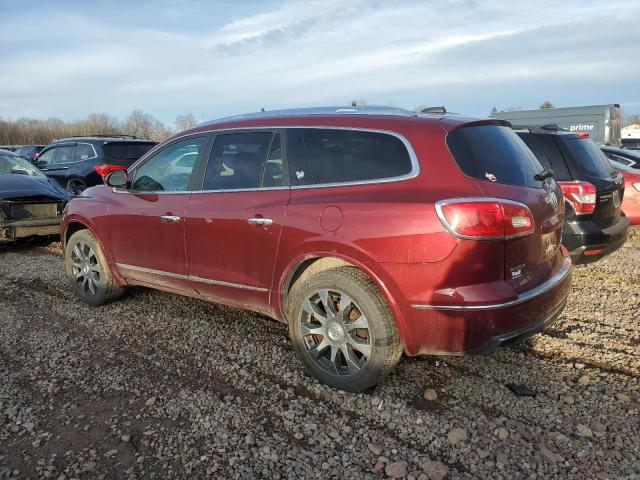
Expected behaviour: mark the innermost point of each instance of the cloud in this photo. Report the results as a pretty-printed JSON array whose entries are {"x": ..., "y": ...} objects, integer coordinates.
[{"x": 228, "y": 58}]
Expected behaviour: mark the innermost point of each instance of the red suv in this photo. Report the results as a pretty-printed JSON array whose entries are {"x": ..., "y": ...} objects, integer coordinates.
[{"x": 369, "y": 231}]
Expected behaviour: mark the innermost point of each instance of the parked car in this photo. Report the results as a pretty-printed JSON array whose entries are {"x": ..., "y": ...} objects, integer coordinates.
[
  {"x": 631, "y": 202},
  {"x": 593, "y": 190},
  {"x": 30, "y": 152},
  {"x": 631, "y": 143},
  {"x": 80, "y": 162},
  {"x": 370, "y": 231},
  {"x": 30, "y": 203},
  {"x": 630, "y": 158}
]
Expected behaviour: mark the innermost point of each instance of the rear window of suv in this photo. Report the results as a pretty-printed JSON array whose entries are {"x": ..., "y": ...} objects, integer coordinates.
[
  {"x": 494, "y": 153},
  {"x": 589, "y": 157},
  {"x": 126, "y": 150}
]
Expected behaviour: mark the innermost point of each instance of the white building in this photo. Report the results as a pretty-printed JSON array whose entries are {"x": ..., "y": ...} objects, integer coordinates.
[{"x": 632, "y": 131}]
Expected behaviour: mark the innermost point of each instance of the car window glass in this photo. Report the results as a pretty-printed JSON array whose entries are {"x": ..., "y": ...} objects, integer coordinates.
[
  {"x": 548, "y": 154},
  {"x": 590, "y": 158},
  {"x": 273, "y": 169},
  {"x": 46, "y": 158},
  {"x": 297, "y": 158},
  {"x": 64, "y": 154},
  {"x": 494, "y": 153},
  {"x": 237, "y": 161},
  {"x": 162, "y": 172},
  {"x": 337, "y": 156},
  {"x": 83, "y": 151},
  {"x": 626, "y": 161}
]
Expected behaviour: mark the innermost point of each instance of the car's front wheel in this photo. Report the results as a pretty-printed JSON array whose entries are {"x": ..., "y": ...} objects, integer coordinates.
[
  {"x": 342, "y": 329},
  {"x": 88, "y": 270}
]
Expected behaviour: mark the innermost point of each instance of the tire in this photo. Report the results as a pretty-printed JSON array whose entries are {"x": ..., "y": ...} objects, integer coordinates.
[
  {"x": 88, "y": 270},
  {"x": 327, "y": 336},
  {"x": 76, "y": 186}
]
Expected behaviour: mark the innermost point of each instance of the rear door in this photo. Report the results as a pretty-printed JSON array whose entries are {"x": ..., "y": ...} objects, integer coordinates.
[
  {"x": 235, "y": 221},
  {"x": 504, "y": 167}
]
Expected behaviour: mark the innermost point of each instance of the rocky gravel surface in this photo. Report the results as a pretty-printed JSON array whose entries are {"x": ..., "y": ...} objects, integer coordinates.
[{"x": 161, "y": 386}]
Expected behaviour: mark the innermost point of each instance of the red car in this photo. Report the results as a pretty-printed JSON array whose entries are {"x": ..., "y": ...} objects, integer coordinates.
[
  {"x": 631, "y": 200},
  {"x": 370, "y": 231}
]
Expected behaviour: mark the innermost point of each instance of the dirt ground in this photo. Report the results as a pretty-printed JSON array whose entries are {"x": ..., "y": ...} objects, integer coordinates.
[{"x": 160, "y": 386}]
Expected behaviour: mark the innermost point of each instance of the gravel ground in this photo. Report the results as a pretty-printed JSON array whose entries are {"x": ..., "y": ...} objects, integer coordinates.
[{"x": 161, "y": 386}]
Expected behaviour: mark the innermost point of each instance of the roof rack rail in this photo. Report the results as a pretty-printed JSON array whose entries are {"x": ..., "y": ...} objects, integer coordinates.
[
  {"x": 115, "y": 135},
  {"x": 551, "y": 127}
]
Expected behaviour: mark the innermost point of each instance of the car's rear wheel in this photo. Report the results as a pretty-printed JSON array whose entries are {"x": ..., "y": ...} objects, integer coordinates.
[
  {"x": 76, "y": 186},
  {"x": 342, "y": 329},
  {"x": 88, "y": 270}
]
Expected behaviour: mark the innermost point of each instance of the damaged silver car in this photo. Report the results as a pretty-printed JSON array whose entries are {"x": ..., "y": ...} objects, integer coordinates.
[{"x": 30, "y": 203}]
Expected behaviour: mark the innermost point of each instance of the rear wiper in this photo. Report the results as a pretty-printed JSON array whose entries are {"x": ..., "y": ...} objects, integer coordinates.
[{"x": 543, "y": 175}]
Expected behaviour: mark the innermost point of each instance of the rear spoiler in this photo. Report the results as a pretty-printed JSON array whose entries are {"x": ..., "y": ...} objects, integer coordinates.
[{"x": 450, "y": 123}]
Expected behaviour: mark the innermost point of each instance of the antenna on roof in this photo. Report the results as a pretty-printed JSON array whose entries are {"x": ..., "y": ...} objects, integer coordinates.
[{"x": 434, "y": 110}]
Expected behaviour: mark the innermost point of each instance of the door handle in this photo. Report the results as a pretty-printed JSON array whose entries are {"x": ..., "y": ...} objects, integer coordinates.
[
  {"x": 259, "y": 221},
  {"x": 169, "y": 218}
]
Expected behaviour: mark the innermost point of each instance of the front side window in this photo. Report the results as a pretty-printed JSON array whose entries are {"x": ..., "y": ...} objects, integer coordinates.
[
  {"x": 46, "y": 158},
  {"x": 64, "y": 154},
  {"x": 167, "y": 170},
  {"x": 245, "y": 160},
  {"x": 342, "y": 156}
]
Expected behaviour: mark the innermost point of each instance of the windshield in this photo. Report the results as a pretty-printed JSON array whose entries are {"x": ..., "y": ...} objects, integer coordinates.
[
  {"x": 590, "y": 157},
  {"x": 621, "y": 166},
  {"x": 18, "y": 166}
]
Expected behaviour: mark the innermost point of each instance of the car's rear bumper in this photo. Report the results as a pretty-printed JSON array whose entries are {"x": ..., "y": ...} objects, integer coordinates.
[
  {"x": 587, "y": 242},
  {"x": 478, "y": 329},
  {"x": 14, "y": 230}
]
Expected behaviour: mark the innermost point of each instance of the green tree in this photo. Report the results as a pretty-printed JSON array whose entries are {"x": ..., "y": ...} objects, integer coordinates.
[{"x": 547, "y": 104}]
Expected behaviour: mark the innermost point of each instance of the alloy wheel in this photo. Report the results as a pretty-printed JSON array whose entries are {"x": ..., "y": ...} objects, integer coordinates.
[
  {"x": 85, "y": 268},
  {"x": 335, "y": 332}
]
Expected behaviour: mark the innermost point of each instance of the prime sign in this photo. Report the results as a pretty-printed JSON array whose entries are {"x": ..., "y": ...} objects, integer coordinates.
[{"x": 581, "y": 127}]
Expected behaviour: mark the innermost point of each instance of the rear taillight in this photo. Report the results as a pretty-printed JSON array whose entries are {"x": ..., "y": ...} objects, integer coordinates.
[
  {"x": 636, "y": 186},
  {"x": 581, "y": 195},
  {"x": 582, "y": 135},
  {"x": 485, "y": 218},
  {"x": 105, "y": 169}
]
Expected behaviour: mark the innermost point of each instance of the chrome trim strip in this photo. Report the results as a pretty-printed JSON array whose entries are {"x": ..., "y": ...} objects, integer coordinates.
[
  {"x": 227, "y": 284},
  {"x": 440, "y": 203},
  {"x": 556, "y": 279},
  {"x": 190, "y": 277},
  {"x": 415, "y": 165}
]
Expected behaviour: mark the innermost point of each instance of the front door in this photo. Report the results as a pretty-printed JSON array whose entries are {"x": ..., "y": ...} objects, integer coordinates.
[
  {"x": 61, "y": 166},
  {"x": 234, "y": 224},
  {"x": 146, "y": 223}
]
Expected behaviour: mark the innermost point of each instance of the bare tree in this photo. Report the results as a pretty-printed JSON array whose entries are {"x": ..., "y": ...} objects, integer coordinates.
[{"x": 185, "y": 122}]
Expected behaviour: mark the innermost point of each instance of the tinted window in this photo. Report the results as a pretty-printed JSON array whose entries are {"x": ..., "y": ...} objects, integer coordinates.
[
  {"x": 166, "y": 171},
  {"x": 548, "y": 154},
  {"x": 495, "y": 153},
  {"x": 64, "y": 154},
  {"x": 337, "y": 156},
  {"x": 622, "y": 166},
  {"x": 297, "y": 158},
  {"x": 84, "y": 151},
  {"x": 589, "y": 157},
  {"x": 617, "y": 159},
  {"x": 239, "y": 160},
  {"x": 126, "y": 150}
]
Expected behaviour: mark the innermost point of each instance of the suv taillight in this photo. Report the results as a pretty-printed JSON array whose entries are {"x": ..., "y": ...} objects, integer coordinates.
[
  {"x": 485, "y": 218},
  {"x": 581, "y": 195},
  {"x": 105, "y": 169}
]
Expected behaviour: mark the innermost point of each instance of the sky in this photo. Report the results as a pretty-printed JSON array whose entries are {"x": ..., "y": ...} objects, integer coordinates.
[{"x": 215, "y": 58}]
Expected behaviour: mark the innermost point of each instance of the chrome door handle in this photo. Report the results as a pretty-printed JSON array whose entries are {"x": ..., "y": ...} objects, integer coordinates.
[
  {"x": 169, "y": 218},
  {"x": 259, "y": 221}
]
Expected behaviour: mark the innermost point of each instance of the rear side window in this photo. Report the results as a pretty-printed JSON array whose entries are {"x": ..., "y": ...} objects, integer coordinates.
[
  {"x": 589, "y": 158},
  {"x": 244, "y": 161},
  {"x": 340, "y": 156},
  {"x": 64, "y": 154},
  {"x": 494, "y": 153},
  {"x": 84, "y": 151},
  {"x": 126, "y": 150}
]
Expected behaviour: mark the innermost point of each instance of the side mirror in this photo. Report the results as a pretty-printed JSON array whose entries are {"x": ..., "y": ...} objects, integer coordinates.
[
  {"x": 41, "y": 163},
  {"x": 117, "y": 179}
]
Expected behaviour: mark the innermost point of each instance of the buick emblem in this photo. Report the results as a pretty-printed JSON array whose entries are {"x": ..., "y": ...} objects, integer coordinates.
[{"x": 551, "y": 199}]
